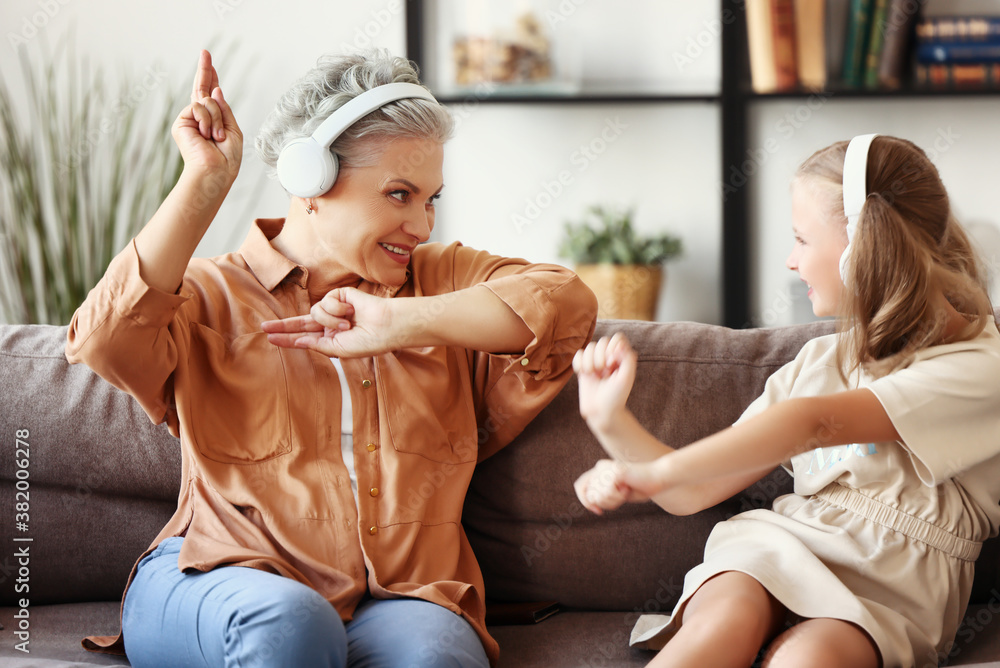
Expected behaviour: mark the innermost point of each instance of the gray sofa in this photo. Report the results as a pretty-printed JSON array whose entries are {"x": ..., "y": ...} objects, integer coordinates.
[{"x": 102, "y": 480}]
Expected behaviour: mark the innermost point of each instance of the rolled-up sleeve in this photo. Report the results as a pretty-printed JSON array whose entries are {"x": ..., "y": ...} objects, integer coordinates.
[
  {"x": 558, "y": 308},
  {"x": 122, "y": 331}
]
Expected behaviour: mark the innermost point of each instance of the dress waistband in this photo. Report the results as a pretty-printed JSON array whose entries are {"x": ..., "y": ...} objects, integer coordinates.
[{"x": 904, "y": 523}]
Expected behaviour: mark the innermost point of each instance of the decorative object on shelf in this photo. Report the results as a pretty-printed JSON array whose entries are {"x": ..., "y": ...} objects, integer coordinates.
[
  {"x": 79, "y": 179},
  {"x": 623, "y": 268},
  {"x": 519, "y": 56},
  {"x": 508, "y": 46}
]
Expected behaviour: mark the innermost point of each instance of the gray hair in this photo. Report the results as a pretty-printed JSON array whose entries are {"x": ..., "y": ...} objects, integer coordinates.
[{"x": 335, "y": 81}]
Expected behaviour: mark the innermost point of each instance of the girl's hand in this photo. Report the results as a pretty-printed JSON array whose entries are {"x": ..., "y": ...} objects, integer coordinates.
[
  {"x": 606, "y": 372},
  {"x": 206, "y": 132},
  {"x": 345, "y": 323},
  {"x": 610, "y": 484},
  {"x": 598, "y": 488}
]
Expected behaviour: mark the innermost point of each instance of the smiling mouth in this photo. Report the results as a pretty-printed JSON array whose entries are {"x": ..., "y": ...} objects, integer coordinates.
[{"x": 395, "y": 249}]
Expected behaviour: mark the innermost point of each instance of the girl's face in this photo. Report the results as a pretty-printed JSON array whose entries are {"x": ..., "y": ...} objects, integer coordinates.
[
  {"x": 375, "y": 216},
  {"x": 820, "y": 239}
]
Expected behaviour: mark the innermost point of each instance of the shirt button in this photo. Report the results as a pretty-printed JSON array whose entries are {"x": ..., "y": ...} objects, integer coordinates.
[
  {"x": 524, "y": 361},
  {"x": 373, "y": 491},
  {"x": 371, "y": 447},
  {"x": 373, "y": 530},
  {"x": 366, "y": 384}
]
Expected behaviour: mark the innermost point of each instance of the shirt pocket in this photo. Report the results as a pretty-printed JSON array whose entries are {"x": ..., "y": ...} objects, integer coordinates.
[
  {"x": 240, "y": 410},
  {"x": 429, "y": 405}
]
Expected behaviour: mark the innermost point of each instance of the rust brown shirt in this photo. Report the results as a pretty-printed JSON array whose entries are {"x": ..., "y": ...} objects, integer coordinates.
[{"x": 264, "y": 482}]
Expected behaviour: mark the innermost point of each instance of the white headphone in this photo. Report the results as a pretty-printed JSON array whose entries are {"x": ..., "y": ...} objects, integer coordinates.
[
  {"x": 855, "y": 190},
  {"x": 307, "y": 167}
]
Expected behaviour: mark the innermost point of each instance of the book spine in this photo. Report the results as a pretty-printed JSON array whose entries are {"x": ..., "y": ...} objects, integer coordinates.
[
  {"x": 760, "y": 43},
  {"x": 783, "y": 27},
  {"x": 857, "y": 37},
  {"x": 958, "y": 52},
  {"x": 900, "y": 21},
  {"x": 951, "y": 76},
  {"x": 958, "y": 28},
  {"x": 876, "y": 35},
  {"x": 811, "y": 43}
]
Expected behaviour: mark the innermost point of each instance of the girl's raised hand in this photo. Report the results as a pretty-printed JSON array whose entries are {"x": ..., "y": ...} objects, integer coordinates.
[
  {"x": 606, "y": 372},
  {"x": 206, "y": 132}
]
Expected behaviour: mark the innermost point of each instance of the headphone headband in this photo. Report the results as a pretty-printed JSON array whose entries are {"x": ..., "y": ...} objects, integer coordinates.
[
  {"x": 306, "y": 166},
  {"x": 855, "y": 189},
  {"x": 362, "y": 105}
]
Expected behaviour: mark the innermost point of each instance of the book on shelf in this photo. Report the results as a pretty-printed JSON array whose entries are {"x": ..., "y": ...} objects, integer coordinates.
[
  {"x": 957, "y": 76},
  {"x": 958, "y": 28},
  {"x": 856, "y": 42},
  {"x": 873, "y": 50},
  {"x": 810, "y": 43},
  {"x": 870, "y": 44},
  {"x": 900, "y": 22},
  {"x": 837, "y": 15},
  {"x": 955, "y": 52},
  {"x": 771, "y": 42},
  {"x": 959, "y": 52}
]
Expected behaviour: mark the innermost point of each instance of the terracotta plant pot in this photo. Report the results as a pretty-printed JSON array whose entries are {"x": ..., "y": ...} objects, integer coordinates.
[{"x": 624, "y": 291}]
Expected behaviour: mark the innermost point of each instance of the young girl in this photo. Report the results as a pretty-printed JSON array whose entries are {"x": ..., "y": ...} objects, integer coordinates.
[{"x": 870, "y": 561}]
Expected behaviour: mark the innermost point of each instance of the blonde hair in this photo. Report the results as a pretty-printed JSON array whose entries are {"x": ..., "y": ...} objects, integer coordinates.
[{"x": 907, "y": 249}]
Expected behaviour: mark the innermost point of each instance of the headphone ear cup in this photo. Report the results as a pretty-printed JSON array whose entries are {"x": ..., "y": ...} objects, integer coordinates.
[{"x": 306, "y": 169}]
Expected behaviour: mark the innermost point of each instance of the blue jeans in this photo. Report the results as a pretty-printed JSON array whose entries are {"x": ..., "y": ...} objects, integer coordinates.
[{"x": 234, "y": 616}]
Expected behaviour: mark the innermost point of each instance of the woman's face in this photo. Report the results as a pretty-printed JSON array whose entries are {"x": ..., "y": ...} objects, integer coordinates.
[
  {"x": 374, "y": 216},
  {"x": 819, "y": 243}
]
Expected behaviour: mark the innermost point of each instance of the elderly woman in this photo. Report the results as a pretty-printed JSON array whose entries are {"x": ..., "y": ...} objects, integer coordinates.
[{"x": 319, "y": 516}]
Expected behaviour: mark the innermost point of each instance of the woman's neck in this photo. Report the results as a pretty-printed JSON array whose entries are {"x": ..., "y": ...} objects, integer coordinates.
[{"x": 297, "y": 242}]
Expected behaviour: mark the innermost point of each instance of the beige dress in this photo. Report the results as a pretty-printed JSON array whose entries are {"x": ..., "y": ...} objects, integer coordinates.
[{"x": 884, "y": 535}]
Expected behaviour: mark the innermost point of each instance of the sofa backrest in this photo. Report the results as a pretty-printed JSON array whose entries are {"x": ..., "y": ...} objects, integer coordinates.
[
  {"x": 536, "y": 542},
  {"x": 102, "y": 480}
]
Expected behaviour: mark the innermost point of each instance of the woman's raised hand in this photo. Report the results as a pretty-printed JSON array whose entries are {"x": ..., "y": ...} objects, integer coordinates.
[
  {"x": 206, "y": 132},
  {"x": 605, "y": 371}
]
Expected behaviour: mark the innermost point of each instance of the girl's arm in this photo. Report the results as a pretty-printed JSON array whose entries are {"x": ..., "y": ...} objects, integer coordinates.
[
  {"x": 606, "y": 372},
  {"x": 753, "y": 447}
]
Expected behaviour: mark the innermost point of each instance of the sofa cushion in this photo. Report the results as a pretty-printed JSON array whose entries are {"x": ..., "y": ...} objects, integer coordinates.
[{"x": 103, "y": 480}]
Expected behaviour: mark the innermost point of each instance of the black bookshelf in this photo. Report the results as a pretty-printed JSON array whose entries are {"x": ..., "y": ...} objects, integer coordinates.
[{"x": 734, "y": 99}]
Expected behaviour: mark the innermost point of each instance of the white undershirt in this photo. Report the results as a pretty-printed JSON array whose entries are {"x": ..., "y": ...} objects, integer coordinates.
[{"x": 346, "y": 426}]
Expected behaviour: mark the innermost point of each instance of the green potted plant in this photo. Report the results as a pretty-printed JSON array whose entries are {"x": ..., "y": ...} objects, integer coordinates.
[
  {"x": 85, "y": 165},
  {"x": 623, "y": 268}
]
